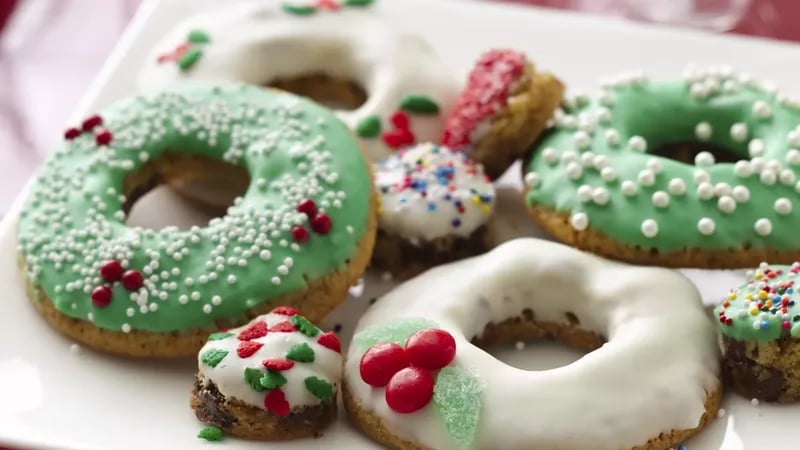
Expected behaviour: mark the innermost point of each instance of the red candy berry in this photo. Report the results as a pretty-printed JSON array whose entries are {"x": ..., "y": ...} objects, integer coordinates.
[
  {"x": 101, "y": 296},
  {"x": 307, "y": 207},
  {"x": 111, "y": 271},
  {"x": 283, "y": 327},
  {"x": 278, "y": 364},
  {"x": 71, "y": 133},
  {"x": 91, "y": 122},
  {"x": 401, "y": 120},
  {"x": 398, "y": 138},
  {"x": 409, "y": 390},
  {"x": 256, "y": 330},
  {"x": 381, "y": 362},
  {"x": 321, "y": 223},
  {"x": 285, "y": 311},
  {"x": 430, "y": 349},
  {"x": 246, "y": 349},
  {"x": 331, "y": 341},
  {"x": 300, "y": 234},
  {"x": 132, "y": 280},
  {"x": 276, "y": 402},
  {"x": 103, "y": 137}
]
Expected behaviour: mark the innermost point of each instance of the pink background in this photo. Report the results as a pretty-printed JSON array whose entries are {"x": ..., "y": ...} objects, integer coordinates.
[{"x": 51, "y": 49}]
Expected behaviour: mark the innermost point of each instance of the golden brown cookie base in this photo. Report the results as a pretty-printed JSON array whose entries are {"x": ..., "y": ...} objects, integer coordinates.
[
  {"x": 324, "y": 89},
  {"x": 319, "y": 297},
  {"x": 244, "y": 421},
  {"x": 531, "y": 102},
  {"x": 590, "y": 240},
  {"x": 396, "y": 255},
  {"x": 524, "y": 328},
  {"x": 768, "y": 371}
]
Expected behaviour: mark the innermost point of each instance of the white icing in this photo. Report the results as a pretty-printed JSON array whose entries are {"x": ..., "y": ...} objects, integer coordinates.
[
  {"x": 652, "y": 376},
  {"x": 406, "y": 212},
  {"x": 256, "y": 42},
  {"x": 228, "y": 375}
]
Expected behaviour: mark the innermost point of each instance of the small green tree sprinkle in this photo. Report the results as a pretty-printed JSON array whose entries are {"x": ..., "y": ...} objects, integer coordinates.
[
  {"x": 198, "y": 37},
  {"x": 304, "y": 326},
  {"x": 272, "y": 380},
  {"x": 219, "y": 336},
  {"x": 299, "y": 10},
  {"x": 369, "y": 127},
  {"x": 319, "y": 387},
  {"x": 301, "y": 353},
  {"x": 419, "y": 104},
  {"x": 253, "y": 378},
  {"x": 358, "y": 2},
  {"x": 212, "y": 434},
  {"x": 213, "y": 357},
  {"x": 189, "y": 59}
]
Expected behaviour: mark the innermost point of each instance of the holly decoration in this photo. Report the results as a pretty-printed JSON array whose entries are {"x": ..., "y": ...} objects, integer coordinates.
[
  {"x": 112, "y": 271},
  {"x": 187, "y": 53},
  {"x": 91, "y": 124},
  {"x": 211, "y": 433},
  {"x": 323, "y": 5},
  {"x": 320, "y": 222},
  {"x": 400, "y": 134}
]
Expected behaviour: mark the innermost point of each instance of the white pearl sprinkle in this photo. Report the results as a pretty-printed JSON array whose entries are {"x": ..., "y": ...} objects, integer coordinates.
[
  {"x": 637, "y": 144},
  {"x": 787, "y": 177},
  {"x": 793, "y": 157},
  {"x": 584, "y": 193},
  {"x": 704, "y": 159},
  {"x": 607, "y": 174},
  {"x": 726, "y": 204},
  {"x": 276, "y": 281},
  {"x": 660, "y": 199},
  {"x": 628, "y": 188},
  {"x": 721, "y": 189},
  {"x": 600, "y": 196},
  {"x": 581, "y": 139},
  {"x": 763, "y": 227},
  {"x": 231, "y": 279},
  {"x": 703, "y": 131},
  {"x": 550, "y": 155},
  {"x": 768, "y": 177},
  {"x": 676, "y": 186},
  {"x": 574, "y": 171},
  {"x": 742, "y": 169},
  {"x": 706, "y": 226},
  {"x": 265, "y": 255},
  {"x": 216, "y": 300},
  {"x": 126, "y": 328},
  {"x": 705, "y": 190},
  {"x": 756, "y": 147},
  {"x": 646, "y": 177},
  {"x": 532, "y": 180},
  {"x": 701, "y": 176},
  {"x": 783, "y": 206},
  {"x": 741, "y": 194},
  {"x": 612, "y": 137},
  {"x": 207, "y": 309},
  {"x": 579, "y": 221},
  {"x": 649, "y": 228},
  {"x": 587, "y": 159},
  {"x": 654, "y": 164},
  {"x": 739, "y": 132},
  {"x": 761, "y": 109},
  {"x": 568, "y": 157}
]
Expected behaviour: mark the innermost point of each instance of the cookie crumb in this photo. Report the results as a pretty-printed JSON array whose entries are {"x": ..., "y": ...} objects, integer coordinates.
[
  {"x": 721, "y": 413},
  {"x": 211, "y": 434}
]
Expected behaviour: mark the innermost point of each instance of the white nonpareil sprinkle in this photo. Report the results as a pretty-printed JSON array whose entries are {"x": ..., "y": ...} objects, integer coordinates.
[
  {"x": 584, "y": 193},
  {"x": 704, "y": 159},
  {"x": 612, "y": 137},
  {"x": 579, "y": 221},
  {"x": 628, "y": 188},
  {"x": 646, "y": 177},
  {"x": 768, "y": 177},
  {"x": 741, "y": 194},
  {"x": 649, "y": 228},
  {"x": 676, "y": 186},
  {"x": 607, "y": 174},
  {"x": 532, "y": 180},
  {"x": 581, "y": 139},
  {"x": 742, "y": 169},
  {"x": 706, "y": 226},
  {"x": 637, "y": 144},
  {"x": 574, "y": 170},
  {"x": 763, "y": 227},
  {"x": 783, "y": 206},
  {"x": 654, "y": 164},
  {"x": 600, "y": 196},
  {"x": 703, "y": 131},
  {"x": 761, "y": 109},
  {"x": 739, "y": 132},
  {"x": 660, "y": 199},
  {"x": 705, "y": 191},
  {"x": 550, "y": 155},
  {"x": 756, "y": 148}
]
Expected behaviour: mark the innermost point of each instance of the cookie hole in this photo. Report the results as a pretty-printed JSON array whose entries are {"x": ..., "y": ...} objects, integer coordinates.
[
  {"x": 332, "y": 92},
  {"x": 181, "y": 190},
  {"x": 686, "y": 152},
  {"x": 572, "y": 318}
]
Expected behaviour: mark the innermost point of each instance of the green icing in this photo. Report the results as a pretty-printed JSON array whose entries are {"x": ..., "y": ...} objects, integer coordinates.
[
  {"x": 663, "y": 113},
  {"x": 319, "y": 387},
  {"x": 358, "y": 2},
  {"x": 397, "y": 331},
  {"x": 458, "y": 396},
  {"x": 763, "y": 309},
  {"x": 301, "y": 353},
  {"x": 198, "y": 37},
  {"x": 304, "y": 326},
  {"x": 272, "y": 380},
  {"x": 212, "y": 434},
  {"x": 253, "y": 378},
  {"x": 190, "y": 58},
  {"x": 419, "y": 104},
  {"x": 72, "y": 221},
  {"x": 369, "y": 127},
  {"x": 219, "y": 336},
  {"x": 213, "y": 357},
  {"x": 299, "y": 10}
]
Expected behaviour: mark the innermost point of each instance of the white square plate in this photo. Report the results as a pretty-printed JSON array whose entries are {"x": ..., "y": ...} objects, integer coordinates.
[{"x": 53, "y": 394}]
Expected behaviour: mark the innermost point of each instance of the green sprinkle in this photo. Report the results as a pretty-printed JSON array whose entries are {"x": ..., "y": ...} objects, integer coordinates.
[
  {"x": 370, "y": 127},
  {"x": 212, "y": 434},
  {"x": 358, "y": 2},
  {"x": 253, "y": 378},
  {"x": 304, "y": 326},
  {"x": 272, "y": 380},
  {"x": 189, "y": 59},
  {"x": 319, "y": 387},
  {"x": 301, "y": 353},
  {"x": 299, "y": 10},
  {"x": 198, "y": 37},
  {"x": 213, "y": 357},
  {"x": 219, "y": 336},
  {"x": 419, "y": 104}
]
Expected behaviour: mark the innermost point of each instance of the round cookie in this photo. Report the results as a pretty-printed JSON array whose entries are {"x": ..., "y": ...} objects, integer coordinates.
[
  {"x": 301, "y": 234},
  {"x": 436, "y": 206},
  {"x": 275, "y": 378},
  {"x": 760, "y": 324},
  {"x": 505, "y": 106},
  {"x": 621, "y": 174},
  {"x": 650, "y": 380},
  {"x": 331, "y": 50}
]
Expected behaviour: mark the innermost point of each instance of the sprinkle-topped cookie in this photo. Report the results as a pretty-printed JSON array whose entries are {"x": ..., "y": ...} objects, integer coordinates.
[{"x": 429, "y": 191}]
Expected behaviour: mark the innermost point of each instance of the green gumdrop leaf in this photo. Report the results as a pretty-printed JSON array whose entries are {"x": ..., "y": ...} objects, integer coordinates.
[
  {"x": 299, "y": 10},
  {"x": 419, "y": 104},
  {"x": 272, "y": 380},
  {"x": 319, "y": 387},
  {"x": 369, "y": 127},
  {"x": 396, "y": 331},
  {"x": 304, "y": 326},
  {"x": 253, "y": 378},
  {"x": 219, "y": 336},
  {"x": 301, "y": 353},
  {"x": 211, "y": 434},
  {"x": 358, "y": 2},
  {"x": 458, "y": 396},
  {"x": 189, "y": 59},
  {"x": 213, "y": 357},
  {"x": 198, "y": 37}
]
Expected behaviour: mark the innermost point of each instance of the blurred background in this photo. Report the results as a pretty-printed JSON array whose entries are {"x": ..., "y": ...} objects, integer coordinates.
[{"x": 50, "y": 50}]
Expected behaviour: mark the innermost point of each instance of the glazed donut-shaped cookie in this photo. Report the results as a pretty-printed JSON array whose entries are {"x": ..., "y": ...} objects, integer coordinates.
[
  {"x": 263, "y": 43},
  {"x": 617, "y": 178},
  {"x": 300, "y": 236},
  {"x": 414, "y": 379}
]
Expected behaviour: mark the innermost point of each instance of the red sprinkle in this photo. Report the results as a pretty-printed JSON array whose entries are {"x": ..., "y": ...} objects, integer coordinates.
[
  {"x": 431, "y": 349},
  {"x": 300, "y": 234},
  {"x": 331, "y": 5},
  {"x": 321, "y": 223},
  {"x": 398, "y": 138},
  {"x": 409, "y": 390},
  {"x": 278, "y": 364},
  {"x": 307, "y": 207},
  {"x": 381, "y": 362},
  {"x": 111, "y": 271},
  {"x": 484, "y": 95},
  {"x": 103, "y": 138},
  {"x": 401, "y": 120},
  {"x": 785, "y": 325},
  {"x": 101, "y": 296},
  {"x": 256, "y": 330},
  {"x": 285, "y": 311},
  {"x": 91, "y": 122},
  {"x": 276, "y": 402},
  {"x": 132, "y": 280},
  {"x": 246, "y": 349},
  {"x": 71, "y": 133},
  {"x": 331, "y": 341},
  {"x": 283, "y": 327}
]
